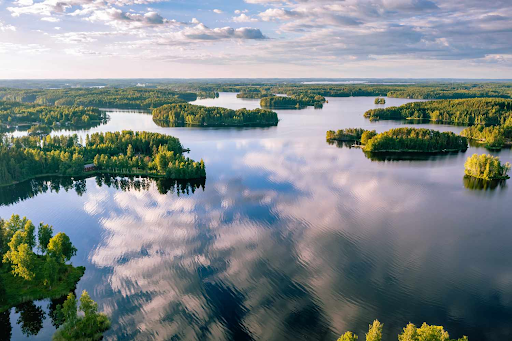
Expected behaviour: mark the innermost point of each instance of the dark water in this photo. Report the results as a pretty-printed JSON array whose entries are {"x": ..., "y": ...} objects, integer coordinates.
[{"x": 289, "y": 238}]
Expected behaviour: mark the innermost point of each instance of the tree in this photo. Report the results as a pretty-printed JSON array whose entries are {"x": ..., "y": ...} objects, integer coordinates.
[
  {"x": 44, "y": 234},
  {"x": 69, "y": 309},
  {"x": 348, "y": 336},
  {"x": 375, "y": 331},
  {"x": 23, "y": 262},
  {"x": 50, "y": 271},
  {"x": 61, "y": 248},
  {"x": 31, "y": 318}
]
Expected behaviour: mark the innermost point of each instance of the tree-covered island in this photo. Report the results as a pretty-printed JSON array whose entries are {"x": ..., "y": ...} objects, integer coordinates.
[
  {"x": 492, "y": 137},
  {"x": 293, "y": 102},
  {"x": 26, "y": 275},
  {"x": 120, "y": 153},
  {"x": 43, "y": 118},
  {"x": 412, "y": 140},
  {"x": 380, "y": 100},
  {"x": 197, "y": 115},
  {"x": 486, "y": 167}
]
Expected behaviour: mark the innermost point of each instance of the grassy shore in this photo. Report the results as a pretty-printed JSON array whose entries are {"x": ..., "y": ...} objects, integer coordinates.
[{"x": 16, "y": 290}]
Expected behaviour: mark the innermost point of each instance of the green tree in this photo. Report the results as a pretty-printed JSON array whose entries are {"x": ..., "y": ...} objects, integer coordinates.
[
  {"x": 348, "y": 336},
  {"x": 375, "y": 331},
  {"x": 22, "y": 261},
  {"x": 61, "y": 248},
  {"x": 44, "y": 234}
]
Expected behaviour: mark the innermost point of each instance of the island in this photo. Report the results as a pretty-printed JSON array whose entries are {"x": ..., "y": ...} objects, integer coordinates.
[
  {"x": 486, "y": 167},
  {"x": 415, "y": 140},
  {"x": 380, "y": 100},
  {"x": 41, "y": 119},
  {"x": 485, "y": 111},
  {"x": 293, "y": 102},
  {"x": 119, "y": 153},
  {"x": 348, "y": 134},
  {"x": 26, "y": 276},
  {"x": 197, "y": 115}
]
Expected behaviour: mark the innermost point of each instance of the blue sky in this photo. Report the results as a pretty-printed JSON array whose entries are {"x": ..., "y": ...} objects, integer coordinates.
[{"x": 255, "y": 38}]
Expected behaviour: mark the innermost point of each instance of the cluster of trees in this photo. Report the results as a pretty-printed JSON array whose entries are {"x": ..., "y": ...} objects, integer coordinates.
[
  {"x": 15, "y": 113},
  {"x": 128, "y": 98},
  {"x": 190, "y": 114},
  {"x": 487, "y": 111},
  {"x": 415, "y": 140},
  {"x": 254, "y": 93},
  {"x": 486, "y": 167},
  {"x": 294, "y": 101},
  {"x": 380, "y": 100},
  {"x": 89, "y": 326},
  {"x": 410, "y": 333},
  {"x": 493, "y": 137},
  {"x": 125, "y": 152},
  {"x": 348, "y": 134}
]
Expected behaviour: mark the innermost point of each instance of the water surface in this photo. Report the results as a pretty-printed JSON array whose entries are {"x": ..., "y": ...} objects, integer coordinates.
[{"x": 290, "y": 237}]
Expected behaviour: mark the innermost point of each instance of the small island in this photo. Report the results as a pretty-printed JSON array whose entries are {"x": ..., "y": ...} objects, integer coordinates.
[
  {"x": 380, "y": 100},
  {"x": 197, "y": 115},
  {"x": 120, "y": 153},
  {"x": 415, "y": 140},
  {"x": 27, "y": 276},
  {"x": 293, "y": 102},
  {"x": 486, "y": 167},
  {"x": 349, "y": 134}
]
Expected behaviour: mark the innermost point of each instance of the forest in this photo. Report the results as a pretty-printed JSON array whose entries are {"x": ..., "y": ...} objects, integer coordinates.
[
  {"x": 486, "y": 167},
  {"x": 486, "y": 111},
  {"x": 348, "y": 134},
  {"x": 127, "y": 98},
  {"x": 493, "y": 137},
  {"x": 295, "y": 101},
  {"x": 410, "y": 333},
  {"x": 380, "y": 100},
  {"x": 124, "y": 153},
  {"x": 14, "y": 113},
  {"x": 418, "y": 140},
  {"x": 189, "y": 114}
]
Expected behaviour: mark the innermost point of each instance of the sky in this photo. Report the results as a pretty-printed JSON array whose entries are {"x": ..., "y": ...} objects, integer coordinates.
[{"x": 255, "y": 38}]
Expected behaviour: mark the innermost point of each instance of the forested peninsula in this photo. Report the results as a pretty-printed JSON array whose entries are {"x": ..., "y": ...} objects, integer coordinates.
[
  {"x": 120, "y": 153},
  {"x": 189, "y": 114},
  {"x": 47, "y": 117},
  {"x": 486, "y": 111},
  {"x": 127, "y": 98}
]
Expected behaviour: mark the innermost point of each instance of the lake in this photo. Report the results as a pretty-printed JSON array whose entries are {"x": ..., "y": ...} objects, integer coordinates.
[{"x": 290, "y": 237}]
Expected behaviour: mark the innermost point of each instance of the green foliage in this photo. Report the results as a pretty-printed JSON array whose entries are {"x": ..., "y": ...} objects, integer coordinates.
[
  {"x": 367, "y": 136},
  {"x": 61, "y": 248},
  {"x": 485, "y": 111},
  {"x": 91, "y": 326},
  {"x": 42, "y": 117},
  {"x": 415, "y": 140},
  {"x": 294, "y": 101},
  {"x": 128, "y": 98},
  {"x": 375, "y": 331},
  {"x": 28, "y": 157},
  {"x": 44, "y": 234},
  {"x": 348, "y": 336},
  {"x": 494, "y": 137},
  {"x": 22, "y": 260},
  {"x": 410, "y": 333},
  {"x": 486, "y": 167},
  {"x": 380, "y": 100},
  {"x": 181, "y": 114},
  {"x": 348, "y": 134}
]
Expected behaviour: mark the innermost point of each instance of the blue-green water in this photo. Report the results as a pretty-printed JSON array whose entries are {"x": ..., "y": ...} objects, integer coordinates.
[{"x": 290, "y": 238}]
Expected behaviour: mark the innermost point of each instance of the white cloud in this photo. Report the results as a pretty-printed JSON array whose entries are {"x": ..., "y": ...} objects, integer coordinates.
[
  {"x": 6, "y": 27},
  {"x": 244, "y": 18},
  {"x": 218, "y": 11},
  {"x": 50, "y": 19}
]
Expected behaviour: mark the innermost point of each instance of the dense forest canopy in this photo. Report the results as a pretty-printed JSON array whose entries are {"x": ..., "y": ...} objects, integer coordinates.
[
  {"x": 16, "y": 113},
  {"x": 486, "y": 167},
  {"x": 293, "y": 101},
  {"x": 348, "y": 134},
  {"x": 128, "y": 98},
  {"x": 493, "y": 137},
  {"x": 124, "y": 152},
  {"x": 415, "y": 140},
  {"x": 487, "y": 111},
  {"x": 213, "y": 116}
]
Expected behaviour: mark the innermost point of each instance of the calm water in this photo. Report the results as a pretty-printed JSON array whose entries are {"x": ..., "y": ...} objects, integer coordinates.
[{"x": 290, "y": 237}]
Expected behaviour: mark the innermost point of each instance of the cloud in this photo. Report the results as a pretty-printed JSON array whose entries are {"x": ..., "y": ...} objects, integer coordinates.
[
  {"x": 244, "y": 18},
  {"x": 6, "y": 27},
  {"x": 202, "y": 32},
  {"x": 217, "y": 11}
]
